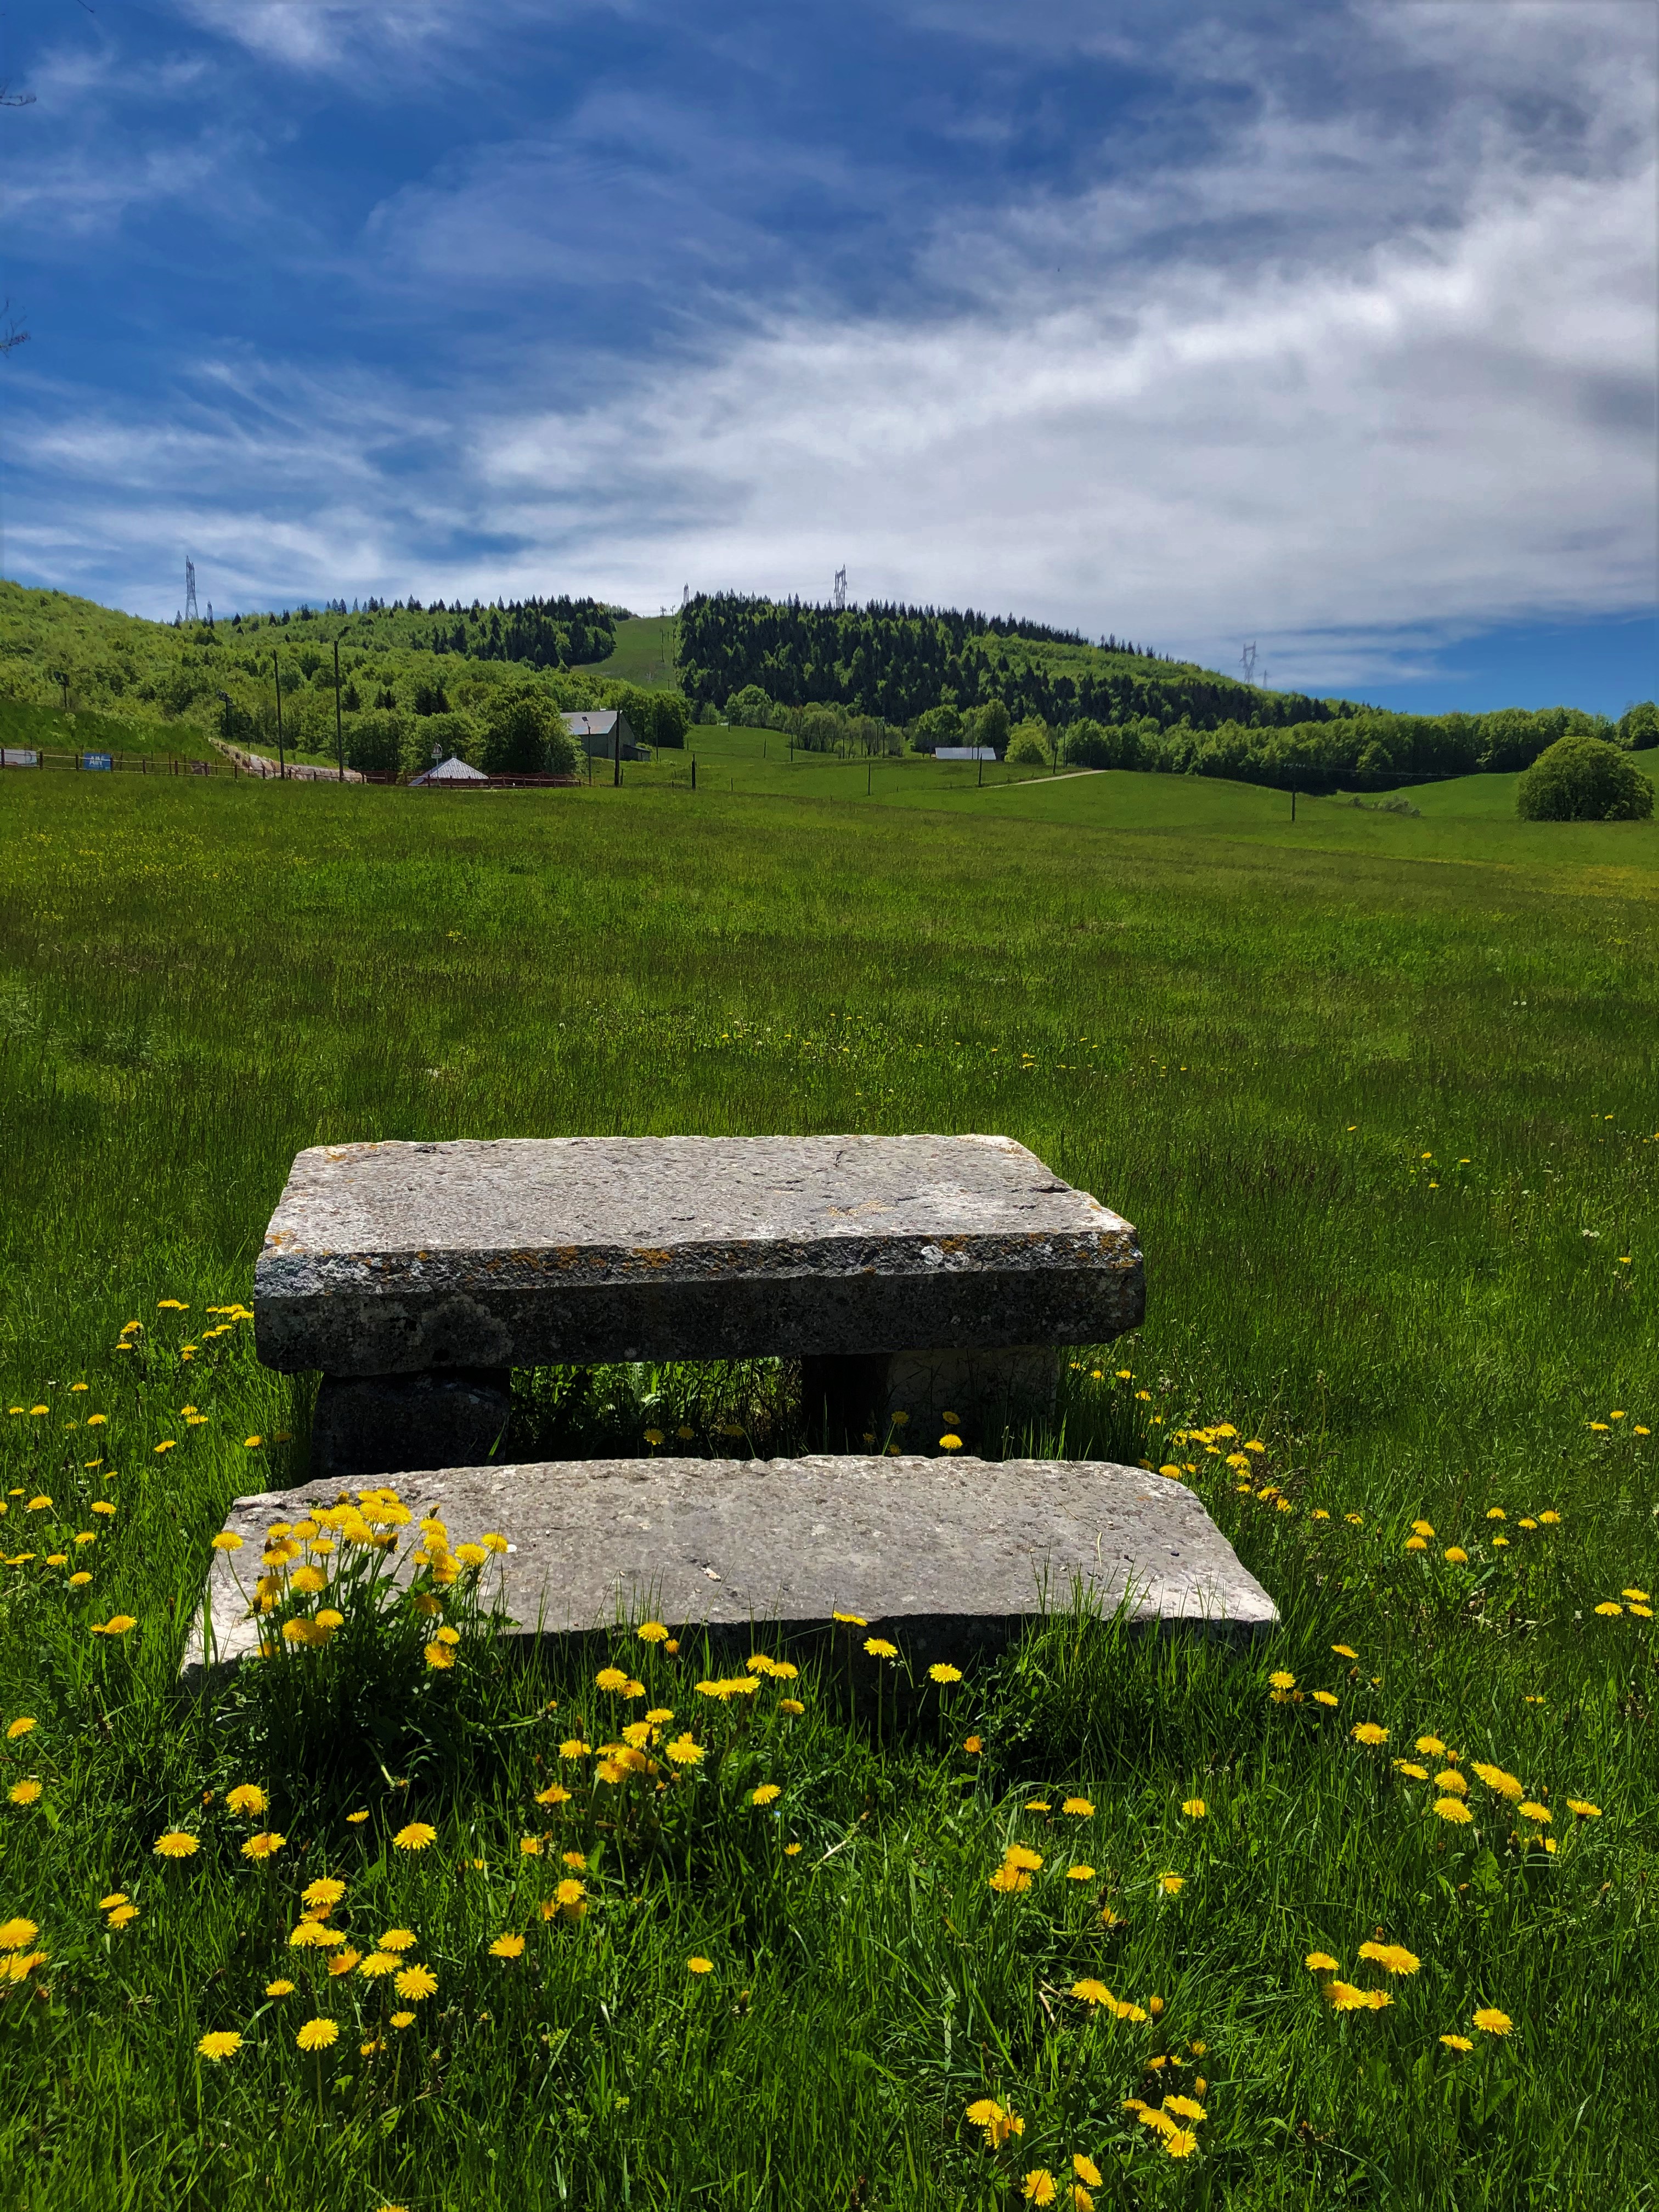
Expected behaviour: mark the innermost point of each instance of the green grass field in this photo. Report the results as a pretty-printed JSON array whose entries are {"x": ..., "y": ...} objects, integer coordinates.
[
  {"x": 1378, "y": 1093},
  {"x": 644, "y": 652}
]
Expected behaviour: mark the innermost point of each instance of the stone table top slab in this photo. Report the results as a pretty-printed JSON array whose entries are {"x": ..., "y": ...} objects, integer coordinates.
[
  {"x": 391, "y": 1258},
  {"x": 942, "y": 1555}
]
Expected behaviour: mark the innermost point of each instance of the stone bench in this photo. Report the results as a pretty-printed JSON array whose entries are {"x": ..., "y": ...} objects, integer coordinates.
[
  {"x": 944, "y": 1557},
  {"x": 922, "y": 1274}
]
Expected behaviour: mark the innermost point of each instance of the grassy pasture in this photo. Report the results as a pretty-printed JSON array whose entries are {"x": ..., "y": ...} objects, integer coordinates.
[
  {"x": 1379, "y": 1094},
  {"x": 644, "y": 652}
]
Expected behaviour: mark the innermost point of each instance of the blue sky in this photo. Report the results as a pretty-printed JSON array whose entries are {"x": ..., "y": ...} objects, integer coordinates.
[{"x": 1330, "y": 325}]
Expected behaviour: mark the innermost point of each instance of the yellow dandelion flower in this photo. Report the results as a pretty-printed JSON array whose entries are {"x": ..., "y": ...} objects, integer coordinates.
[
  {"x": 318, "y": 2035},
  {"x": 1453, "y": 1809},
  {"x": 684, "y": 1750},
  {"x": 221, "y": 2043},
  {"x": 1452, "y": 1782},
  {"x": 943, "y": 1673},
  {"x": 1392, "y": 1958},
  {"x": 1346, "y": 1997},
  {"x": 246, "y": 1797},
  {"x": 177, "y": 1844},
  {"x": 1039, "y": 2186},
  {"x": 279, "y": 1989},
  {"x": 508, "y": 1946},
  {"x": 25, "y": 1793},
  {"x": 414, "y": 1983},
  {"x": 1328, "y": 1697},
  {"x": 1583, "y": 1808},
  {"x": 765, "y": 1794},
  {"x": 415, "y": 1837},
  {"x": 1530, "y": 1811},
  {"x": 651, "y": 1632},
  {"x": 555, "y": 1793},
  {"x": 1458, "y": 2042},
  {"x": 697, "y": 1965},
  {"x": 574, "y": 1748},
  {"x": 1180, "y": 2144},
  {"x": 1506, "y": 1785},
  {"x": 343, "y": 1962},
  {"x": 1079, "y": 1808},
  {"x": 403, "y": 2020},
  {"x": 1490, "y": 2022},
  {"x": 378, "y": 1965},
  {"x": 611, "y": 1678},
  {"x": 1089, "y": 1991},
  {"x": 1368, "y": 1732},
  {"x": 1185, "y": 2108},
  {"x": 265, "y": 1845},
  {"x": 879, "y": 1648},
  {"x": 1282, "y": 1679},
  {"x": 1086, "y": 2169},
  {"x": 1172, "y": 1884},
  {"x": 18, "y": 1935},
  {"x": 1320, "y": 1962}
]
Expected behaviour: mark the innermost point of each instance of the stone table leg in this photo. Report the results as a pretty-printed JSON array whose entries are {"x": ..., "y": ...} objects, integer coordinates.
[
  {"x": 850, "y": 1403},
  {"x": 390, "y": 1424}
]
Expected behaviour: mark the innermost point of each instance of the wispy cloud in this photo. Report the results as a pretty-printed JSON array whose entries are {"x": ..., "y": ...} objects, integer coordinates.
[{"x": 1367, "y": 363}]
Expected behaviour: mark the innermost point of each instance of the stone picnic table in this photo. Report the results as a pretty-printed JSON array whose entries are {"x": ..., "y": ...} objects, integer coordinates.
[{"x": 922, "y": 1273}]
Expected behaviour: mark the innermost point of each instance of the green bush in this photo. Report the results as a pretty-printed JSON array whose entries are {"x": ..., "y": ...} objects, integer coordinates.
[
  {"x": 1583, "y": 780},
  {"x": 1027, "y": 747},
  {"x": 523, "y": 736},
  {"x": 1639, "y": 727},
  {"x": 375, "y": 743}
]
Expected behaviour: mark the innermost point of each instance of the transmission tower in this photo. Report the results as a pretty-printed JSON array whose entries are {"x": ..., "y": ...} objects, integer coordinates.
[
  {"x": 191, "y": 612},
  {"x": 841, "y": 591},
  {"x": 1247, "y": 661},
  {"x": 685, "y": 597}
]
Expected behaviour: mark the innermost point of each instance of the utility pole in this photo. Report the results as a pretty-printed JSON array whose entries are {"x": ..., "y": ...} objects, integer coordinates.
[
  {"x": 339, "y": 732},
  {"x": 282, "y": 757}
]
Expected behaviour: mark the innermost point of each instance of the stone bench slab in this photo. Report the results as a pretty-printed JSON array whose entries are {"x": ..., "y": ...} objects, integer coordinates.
[
  {"x": 943, "y": 1556},
  {"x": 393, "y": 1259}
]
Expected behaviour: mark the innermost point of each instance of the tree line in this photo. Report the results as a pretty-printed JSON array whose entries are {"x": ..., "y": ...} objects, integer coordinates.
[{"x": 896, "y": 662}]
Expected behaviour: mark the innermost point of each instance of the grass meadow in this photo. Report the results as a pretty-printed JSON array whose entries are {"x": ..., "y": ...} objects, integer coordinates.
[{"x": 1379, "y": 1093}]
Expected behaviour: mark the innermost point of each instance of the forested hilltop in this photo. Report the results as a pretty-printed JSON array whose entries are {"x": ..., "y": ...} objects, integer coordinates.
[
  {"x": 414, "y": 680},
  {"x": 896, "y": 662},
  {"x": 946, "y": 677}
]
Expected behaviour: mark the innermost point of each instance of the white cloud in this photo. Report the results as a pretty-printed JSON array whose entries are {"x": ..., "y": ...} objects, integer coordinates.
[
  {"x": 1457, "y": 432},
  {"x": 1352, "y": 382}
]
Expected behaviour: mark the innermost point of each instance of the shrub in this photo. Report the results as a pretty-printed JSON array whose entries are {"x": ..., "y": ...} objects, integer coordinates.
[
  {"x": 375, "y": 743},
  {"x": 522, "y": 736},
  {"x": 671, "y": 717},
  {"x": 987, "y": 725},
  {"x": 936, "y": 727},
  {"x": 1583, "y": 780},
  {"x": 1028, "y": 746},
  {"x": 1639, "y": 727},
  {"x": 749, "y": 705}
]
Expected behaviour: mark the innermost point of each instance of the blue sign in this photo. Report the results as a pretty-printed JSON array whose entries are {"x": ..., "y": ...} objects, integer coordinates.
[{"x": 97, "y": 760}]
